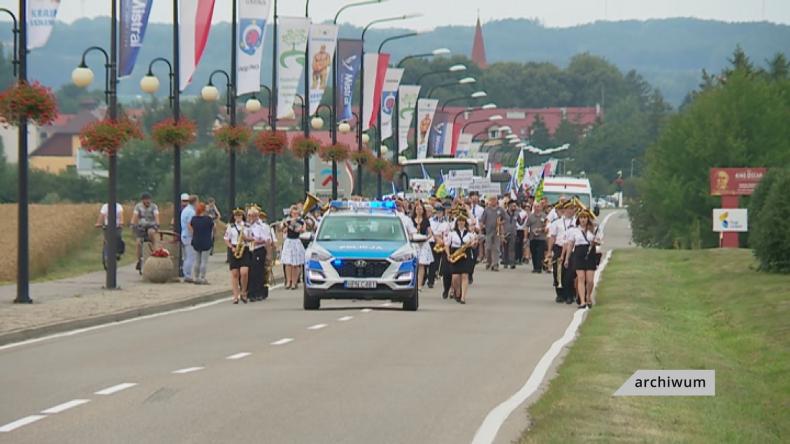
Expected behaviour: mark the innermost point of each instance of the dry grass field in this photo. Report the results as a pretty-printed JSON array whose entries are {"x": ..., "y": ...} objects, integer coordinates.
[{"x": 63, "y": 240}]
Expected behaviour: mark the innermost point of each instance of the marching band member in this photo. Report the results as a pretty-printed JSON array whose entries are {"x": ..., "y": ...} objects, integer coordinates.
[
  {"x": 236, "y": 235},
  {"x": 563, "y": 279},
  {"x": 580, "y": 243},
  {"x": 460, "y": 237},
  {"x": 476, "y": 212},
  {"x": 439, "y": 227},
  {"x": 262, "y": 241},
  {"x": 422, "y": 226},
  {"x": 292, "y": 255}
]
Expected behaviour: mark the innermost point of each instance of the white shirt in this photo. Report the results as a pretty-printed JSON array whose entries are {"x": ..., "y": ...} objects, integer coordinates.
[
  {"x": 552, "y": 216},
  {"x": 233, "y": 232},
  {"x": 439, "y": 228},
  {"x": 118, "y": 214},
  {"x": 454, "y": 240},
  {"x": 477, "y": 211},
  {"x": 523, "y": 215},
  {"x": 261, "y": 232},
  {"x": 575, "y": 237},
  {"x": 559, "y": 228}
]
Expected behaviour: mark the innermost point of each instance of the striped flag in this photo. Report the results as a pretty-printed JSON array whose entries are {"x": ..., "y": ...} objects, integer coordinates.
[{"x": 195, "y": 24}]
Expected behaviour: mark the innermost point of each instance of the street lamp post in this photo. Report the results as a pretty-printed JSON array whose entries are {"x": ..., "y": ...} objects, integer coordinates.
[
  {"x": 210, "y": 93},
  {"x": 23, "y": 247},
  {"x": 474, "y": 95},
  {"x": 82, "y": 77}
]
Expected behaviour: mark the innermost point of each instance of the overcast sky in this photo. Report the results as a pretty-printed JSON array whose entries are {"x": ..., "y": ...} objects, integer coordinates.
[{"x": 554, "y": 13}]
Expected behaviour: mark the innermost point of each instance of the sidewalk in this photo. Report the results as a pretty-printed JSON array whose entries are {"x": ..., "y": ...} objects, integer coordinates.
[{"x": 81, "y": 301}]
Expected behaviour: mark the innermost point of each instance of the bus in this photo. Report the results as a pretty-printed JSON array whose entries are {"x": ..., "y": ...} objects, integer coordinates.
[{"x": 435, "y": 167}]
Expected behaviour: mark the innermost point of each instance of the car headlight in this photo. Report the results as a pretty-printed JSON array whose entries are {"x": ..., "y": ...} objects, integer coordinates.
[
  {"x": 319, "y": 254},
  {"x": 403, "y": 255}
]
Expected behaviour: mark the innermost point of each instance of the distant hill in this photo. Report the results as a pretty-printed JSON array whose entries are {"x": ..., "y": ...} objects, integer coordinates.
[{"x": 669, "y": 53}]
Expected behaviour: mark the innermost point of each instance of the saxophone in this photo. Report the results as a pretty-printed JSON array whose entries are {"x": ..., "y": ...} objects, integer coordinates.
[
  {"x": 238, "y": 251},
  {"x": 460, "y": 253}
]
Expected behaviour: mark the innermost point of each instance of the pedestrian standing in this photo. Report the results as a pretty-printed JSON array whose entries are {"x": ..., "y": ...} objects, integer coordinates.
[
  {"x": 489, "y": 222},
  {"x": 581, "y": 241},
  {"x": 292, "y": 256},
  {"x": 262, "y": 240},
  {"x": 186, "y": 236},
  {"x": 439, "y": 227},
  {"x": 562, "y": 270},
  {"x": 423, "y": 226},
  {"x": 213, "y": 212},
  {"x": 521, "y": 233},
  {"x": 536, "y": 227},
  {"x": 201, "y": 226}
]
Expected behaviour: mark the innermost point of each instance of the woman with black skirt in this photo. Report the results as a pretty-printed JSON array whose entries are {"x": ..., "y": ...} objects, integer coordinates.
[
  {"x": 581, "y": 241},
  {"x": 238, "y": 232},
  {"x": 457, "y": 237}
]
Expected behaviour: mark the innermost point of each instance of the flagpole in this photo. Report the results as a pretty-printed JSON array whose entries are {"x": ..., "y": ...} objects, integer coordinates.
[
  {"x": 23, "y": 258},
  {"x": 273, "y": 99},
  {"x": 232, "y": 110},
  {"x": 306, "y": 101},
  {"x": 176, "y": 82}
]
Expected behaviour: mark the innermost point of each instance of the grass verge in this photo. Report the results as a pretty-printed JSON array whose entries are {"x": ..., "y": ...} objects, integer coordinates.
[{"x": 664, "y": 309}]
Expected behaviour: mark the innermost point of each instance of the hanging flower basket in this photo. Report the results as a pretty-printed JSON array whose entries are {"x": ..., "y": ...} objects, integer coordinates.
[
  {"x": 390, "y": 172},
  {"x": 378, "y": 165},
  {"x": 31, "y": 101},
  {"x": 107, "y": 136},
  {"x": 362, "y": 157},
  {"x": 337, "y": 152},
  {"x": 303, "y": 147},
  {"x": 169, "y": 133},
  {"x": 271, "y": 142},
  {"x": 228, "y": 137}
]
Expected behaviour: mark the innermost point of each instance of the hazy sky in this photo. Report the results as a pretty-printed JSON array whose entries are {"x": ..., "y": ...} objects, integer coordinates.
[{"x": 555, "y": 13}]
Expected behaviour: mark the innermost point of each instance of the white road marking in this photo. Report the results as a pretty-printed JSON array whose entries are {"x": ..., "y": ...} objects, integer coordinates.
[
  {"x": 282, "y": 341},
  {"x": 386, "y": 304},
  {"x": 116, "y": 388},
  {"x": 20, "y": 423},
  {"x": 345, "y": 318},
  {"x": 65, "y": 406},
  {"x": 238, "y": 356},
  {"x": 366, "y": 310},
  {"x": 187, "y": 370},
  {"x": 495, "y": 418},
  {"x": 316, "y": 327},
  {"x": 125, "y": 321}
]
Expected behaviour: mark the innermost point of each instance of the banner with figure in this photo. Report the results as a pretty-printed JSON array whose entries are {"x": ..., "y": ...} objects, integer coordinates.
[
  {"x": 195, "y": 24},
  {"x": 252, "y": 27},
  {"x": 321, "y": 47},
  {"x": 41, "y": 15},
  {"x": 389, "y": 94},
  {"x": 425, "y": 112},
  {"x": 407, "y": 101},
  {"x": 291, "y": 44},
  {"x": 349, "y": 59}
]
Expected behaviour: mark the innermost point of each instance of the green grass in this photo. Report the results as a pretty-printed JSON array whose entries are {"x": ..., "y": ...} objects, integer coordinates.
[
  {"x": 87, "y": 257},
  {"x": 664, "y": 309}
]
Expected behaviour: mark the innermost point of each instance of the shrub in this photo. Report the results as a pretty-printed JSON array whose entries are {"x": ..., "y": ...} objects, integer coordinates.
[{"x": 770, "y": 227}]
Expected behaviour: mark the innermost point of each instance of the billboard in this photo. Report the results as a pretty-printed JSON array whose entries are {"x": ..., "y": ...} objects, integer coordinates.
[
  {"x": 735, "y": 181},
  {"x": 730, "y": 220}
]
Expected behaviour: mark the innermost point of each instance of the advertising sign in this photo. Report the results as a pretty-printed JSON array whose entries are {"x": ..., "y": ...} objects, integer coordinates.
[
  {"x": 730, "y": 220},
  {"x": 321, "y": 45},
  {"x": 421, "y": 186},
  {"x": 291, "y": 44},
  {"x": 425, "y": 111},
  {"x": 349, "y": 61},
  {"x": 734, "y": 181},
  {"x": 389, "y": 94},
  {"x": 41, "y": 16},
  {"x": 133, "y": 23},
  {"x": 252, "y": 23},
  {"x": 407, "y": 101}
]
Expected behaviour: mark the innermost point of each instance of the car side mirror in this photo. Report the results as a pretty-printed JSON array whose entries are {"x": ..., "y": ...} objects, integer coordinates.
[
  {"x": 419, "y": 238},
  {"x": 307, "y": 236}
]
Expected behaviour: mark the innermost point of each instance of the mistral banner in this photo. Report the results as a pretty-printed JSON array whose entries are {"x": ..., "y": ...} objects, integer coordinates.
[
  {"x": 253, "y": 15},
  {"x": 291, "y": 45},
  {"x": 389, "y": 95},
  {"x": 349, "y": 60},
  {"x": 321, "y": 47},
  {"x": 425, "y": 112},
  {"x": 41, "y": 15},
  {"x": 407, "y": 101},
  {"x": 134, "y": 21}
]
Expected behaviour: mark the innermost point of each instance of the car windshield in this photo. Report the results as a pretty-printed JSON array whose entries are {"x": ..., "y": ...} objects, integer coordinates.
[
  {"x": 361, "y": 228},
  {"x": 435, "y": 170},
  {"x": 554, "y": 197}
]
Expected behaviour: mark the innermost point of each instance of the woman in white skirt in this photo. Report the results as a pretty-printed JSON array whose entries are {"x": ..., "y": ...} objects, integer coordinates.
[
  {"x": 423, "y": 226},
  {"x": 292, "y": 256}
]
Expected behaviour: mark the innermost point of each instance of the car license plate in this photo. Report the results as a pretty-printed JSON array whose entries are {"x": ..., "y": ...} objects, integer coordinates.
[{"x": 361, "y": 284}]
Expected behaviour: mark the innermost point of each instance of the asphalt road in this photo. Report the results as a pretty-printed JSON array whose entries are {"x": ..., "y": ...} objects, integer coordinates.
[{"x": 364, "y": 373}]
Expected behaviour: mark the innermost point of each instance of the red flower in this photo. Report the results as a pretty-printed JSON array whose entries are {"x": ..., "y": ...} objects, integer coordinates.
[
  {"x": 303, "y": 147},
  {"x": 271, "y": 142},
  {"x": 362, "y": 157},
  {"x": 337, "y": 152},
  {"x": 228, "y": 137},
  {"x": 160, "y": 252},
  {"x": 109, "y": 136},
  {"x": 28, "y": 101},
  {"x": 169, "y": 133}
]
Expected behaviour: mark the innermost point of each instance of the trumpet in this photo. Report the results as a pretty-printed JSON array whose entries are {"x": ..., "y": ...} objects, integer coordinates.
[
  {"x": 460, "y": 253},
  {"x": 439, "y": 247}
]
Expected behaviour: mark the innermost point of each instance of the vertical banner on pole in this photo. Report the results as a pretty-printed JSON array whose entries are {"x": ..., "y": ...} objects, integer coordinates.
[
  {"x": 194, "y": 26},
  {"x": 382, "y": 65},
  {"x": 321, "y": 43},
  {"x": 425, "y": 111},
  {"x": 464, "y": 146},
  {"x": 134, "y": 22},
  {"x": 371, "y": 70},
  {"x": 349, "y": 53},
  {"x": 291, "y": 44},
  {"x": 249, "y": 53},
  {"x": 41, "y": 15},
  {"x": 389, "y": 94},
  {"x": 407, "y": 101},
  {"x": 439, "y": 133}
]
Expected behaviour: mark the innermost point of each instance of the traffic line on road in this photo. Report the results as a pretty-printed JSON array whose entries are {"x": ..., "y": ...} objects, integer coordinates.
[
  {"x": 345, "y": 318},
  {"x": 116, "y": 388},
  {"x": 316, "y": 327},
  {"x": 282, "y": 341},
  {"x": 21, "y": 423},
  {"x": 366, "y": 310},
  {"x": 386, "y": 304},
  {"x": 65, "y": 406},
  {"x": 184, "y": 371},
  {"x": 238, "y": 356}
]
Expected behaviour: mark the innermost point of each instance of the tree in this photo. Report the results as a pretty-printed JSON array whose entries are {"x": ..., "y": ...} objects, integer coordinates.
[
  {"x": 567, "y": 132},
  {"x": 539, "y": 134},
  {"x": 778, "y": 67},
  {"x": 71, "y": 98}
]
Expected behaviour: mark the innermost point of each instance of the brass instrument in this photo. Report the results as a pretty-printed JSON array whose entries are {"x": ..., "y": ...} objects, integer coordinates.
[
  {"x": 460, "y": 253},
  {"x": 310, "y": 201},
  {"x": 439, "y": 246},
  {"x": 238, "y": 252}
]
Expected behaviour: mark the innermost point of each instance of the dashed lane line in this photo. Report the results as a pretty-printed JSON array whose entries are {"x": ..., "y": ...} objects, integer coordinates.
[
  {"x": 65, "y": 406},
  {"x": 316, "y": 327},
  {"x": 282, "y": 341},
  {"x": 238, "y": 356},
  {"x": 184, "y": 371},
  {"x": 21, "y": 423},
  {"x": 366, "y": 310},
  {"x": 116, "y": 388},
  {"x": 345, "y": 318}
]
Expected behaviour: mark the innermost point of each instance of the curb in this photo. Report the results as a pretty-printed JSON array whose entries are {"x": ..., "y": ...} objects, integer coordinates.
[{"x": 76, "y": 324}]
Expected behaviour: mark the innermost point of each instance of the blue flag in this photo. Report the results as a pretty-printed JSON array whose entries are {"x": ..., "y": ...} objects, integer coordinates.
[{"x": 134, "y": 21}]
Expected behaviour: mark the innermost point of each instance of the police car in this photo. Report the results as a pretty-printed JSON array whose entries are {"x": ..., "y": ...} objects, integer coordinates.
[{"x": 361, "y": 251}]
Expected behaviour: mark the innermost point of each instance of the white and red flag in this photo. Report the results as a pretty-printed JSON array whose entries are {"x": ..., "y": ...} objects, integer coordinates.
[{"x": 194, "y": 26}]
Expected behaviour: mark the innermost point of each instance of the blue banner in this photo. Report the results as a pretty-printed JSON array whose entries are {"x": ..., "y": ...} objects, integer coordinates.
[
  {"x": 439, "y": 133},
  {"x": 349, "y": 61},
  {"x": 133, "y": 23}
]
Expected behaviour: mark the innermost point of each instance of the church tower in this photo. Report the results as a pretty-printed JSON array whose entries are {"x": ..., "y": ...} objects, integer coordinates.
[{"x": 478, "y": 47}]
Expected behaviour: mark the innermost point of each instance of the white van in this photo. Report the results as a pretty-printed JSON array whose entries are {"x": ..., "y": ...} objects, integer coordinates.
[{"x": 567, "y": 187}]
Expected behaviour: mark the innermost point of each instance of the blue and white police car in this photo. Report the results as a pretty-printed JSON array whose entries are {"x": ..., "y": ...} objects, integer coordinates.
[{"x": 361, "y": 251}]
